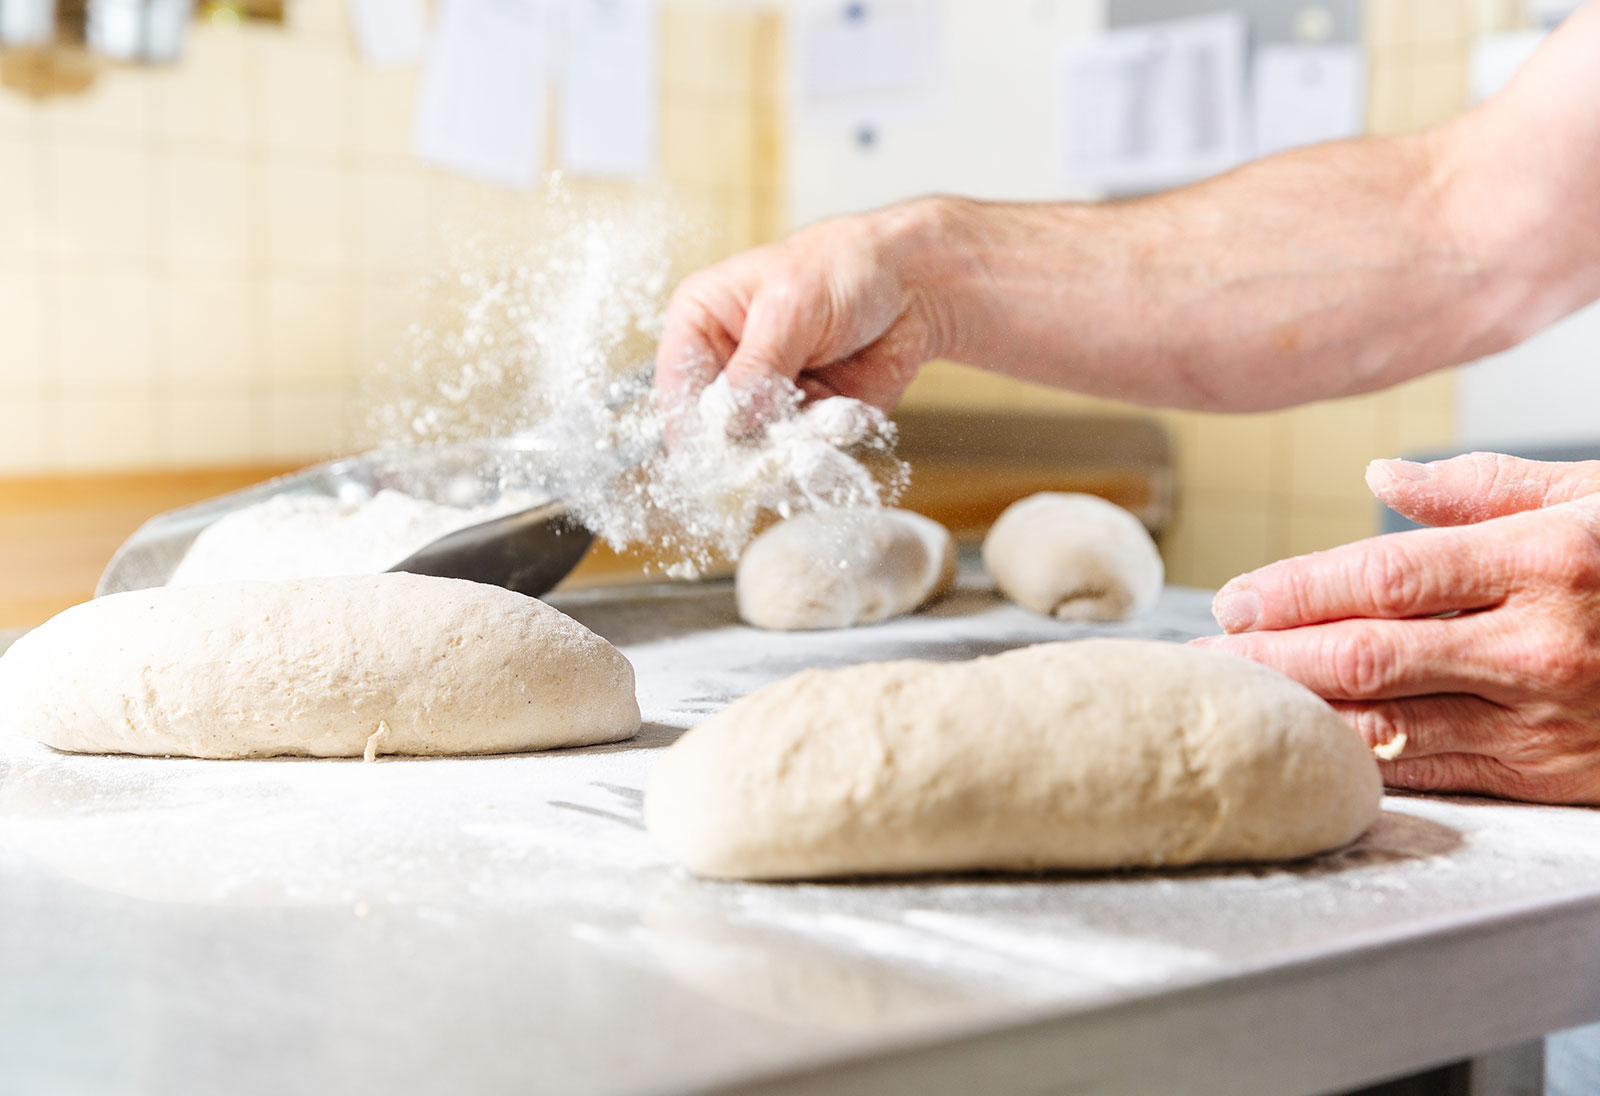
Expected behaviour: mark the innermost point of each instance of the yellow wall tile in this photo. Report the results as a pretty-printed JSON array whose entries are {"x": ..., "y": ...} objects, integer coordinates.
[
  {"x": 1444, "y": 23},
  {"x": 706, "y": 144},
  {"x": 393, "y": 217},
  {"x": 1330, "y": 445},
  {"x": 320, "y": 21},
  {"x": 1421, "y": 415},
  {"x": 19, "y": 117},
  {"x": 248, "y": 222},
  {"x": 708, "y": 48},
  {"x": 1386, "y": 23},
  {"x": 204, "y": 206},
  {"x": 943, "y": 384},
  {"x": 381, "y": 314},
  {"x": 305, "y": 94},
  {"x": 101, "y": 427},
  {"x": 99, "y": 322},
  {"x": 771, "y": 56},
  {"x": 385, "y": 111},
  {"x": 305, "y": 220},
  {"x": 23, "y": 431},
  {"x": 1389, "y": 100},
  {"x": 1242, "y": 454},
  {"x": 99, "y": 205},
  {"x": 208, "y": 99},
  {"x": 1438, "y": 87},
  {"x": 1434, "y": 391},
  {"x": 23, "y": 434},
  {"x": 200, "y": 429},
  {"x": 1494, "y": 15},
  {"x": 206, "y": 333},
  {"x": 303, "y": 321},
  {"x": 303, "y": 424},
  {"x": 19, "y": 202},
  {"x": 1214, "y": 537},
  {"x": 116, "y": 106},
  {"x": 1330, "y": 524},
  {"x": 22, "y": 364}
]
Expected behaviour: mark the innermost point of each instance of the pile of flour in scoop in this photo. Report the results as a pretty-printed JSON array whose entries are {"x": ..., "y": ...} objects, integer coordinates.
[
  {"x": 302, "y": 536},
  {"x": 691, "y": 503}
]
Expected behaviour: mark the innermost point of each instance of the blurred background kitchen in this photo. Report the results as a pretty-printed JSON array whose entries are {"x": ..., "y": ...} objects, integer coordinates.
[{"x": 215, "y": 219}]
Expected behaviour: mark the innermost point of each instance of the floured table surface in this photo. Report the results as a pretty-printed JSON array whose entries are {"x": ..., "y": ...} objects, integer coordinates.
[{"x": 504, "y": 924}]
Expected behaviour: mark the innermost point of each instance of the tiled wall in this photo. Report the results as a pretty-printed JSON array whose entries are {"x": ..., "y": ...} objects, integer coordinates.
[
  {"x": 196, "y": 262},
  {"x": 1254, "y": 488}
]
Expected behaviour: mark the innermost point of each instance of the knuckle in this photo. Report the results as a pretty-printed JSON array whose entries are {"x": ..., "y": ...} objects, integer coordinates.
[
  {"x": 1392, "y": 579},
  {"x": 690, "y": 294},
  {"x": 1498, "y": 472},
  {"x": 1363, "y": 665},
  {"x": 1572, "y": 554}
]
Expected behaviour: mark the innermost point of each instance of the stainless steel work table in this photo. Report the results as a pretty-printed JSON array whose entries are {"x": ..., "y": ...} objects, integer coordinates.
[{"x": 504, "y": 925}]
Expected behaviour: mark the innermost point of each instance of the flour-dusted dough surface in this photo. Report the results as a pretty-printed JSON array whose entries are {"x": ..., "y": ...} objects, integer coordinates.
[
  {"x": 317, "y": 667},
  {"x": 1074, "y": 556},
  {"x": 1088, "y": 754},
  {"x": 842, "y": 568}
]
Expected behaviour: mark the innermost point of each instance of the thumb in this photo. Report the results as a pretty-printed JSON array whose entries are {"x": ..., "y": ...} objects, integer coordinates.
[{"x": 1478, "y": 486}]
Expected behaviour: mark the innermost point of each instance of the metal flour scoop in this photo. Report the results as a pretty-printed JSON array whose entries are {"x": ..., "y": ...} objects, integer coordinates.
[{"x": 529, "y": 550}]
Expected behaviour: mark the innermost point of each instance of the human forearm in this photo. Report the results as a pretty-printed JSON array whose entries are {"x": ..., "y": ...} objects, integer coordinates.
[
  {"x": 1321, "y": 272},
  {"x": 1314, "y": 274},
  {"x": 1330, "y": 270}
]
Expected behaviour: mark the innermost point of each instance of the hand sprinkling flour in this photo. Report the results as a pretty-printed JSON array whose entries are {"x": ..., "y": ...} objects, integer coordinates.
[{"x": 541, "y": 338}]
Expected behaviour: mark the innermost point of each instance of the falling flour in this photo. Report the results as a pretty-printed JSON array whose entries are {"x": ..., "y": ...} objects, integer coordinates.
[
  {"x": 704, "y": 496},
  {"x": 545, "y": 337}
]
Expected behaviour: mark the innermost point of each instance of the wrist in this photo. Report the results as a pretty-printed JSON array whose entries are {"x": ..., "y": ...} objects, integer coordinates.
[{"x": 931, "y": 245}]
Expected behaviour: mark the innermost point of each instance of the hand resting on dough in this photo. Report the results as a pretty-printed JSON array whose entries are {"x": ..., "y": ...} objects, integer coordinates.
[{"x": 1473, "y": 649}]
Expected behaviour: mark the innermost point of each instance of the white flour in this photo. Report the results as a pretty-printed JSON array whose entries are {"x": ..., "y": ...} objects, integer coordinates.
[
  {"x": 703, "y": 497},
  {"x": 547, "y": 335},
  {"x": 304, "y": 536}
]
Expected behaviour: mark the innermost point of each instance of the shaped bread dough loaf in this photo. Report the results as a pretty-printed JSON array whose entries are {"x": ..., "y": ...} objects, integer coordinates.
[
  {"x": 841, "y": 568},
  {"x": 1087, "y": 754},
  {"x": 317, "y": 667},
  {"x": 1077, "y": 557}
]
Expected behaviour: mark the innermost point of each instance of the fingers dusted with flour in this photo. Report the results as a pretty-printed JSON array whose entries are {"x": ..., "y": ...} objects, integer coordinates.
[
  {"x": 1502, "y": 698},
  {"x": 1478, "y": 486}
]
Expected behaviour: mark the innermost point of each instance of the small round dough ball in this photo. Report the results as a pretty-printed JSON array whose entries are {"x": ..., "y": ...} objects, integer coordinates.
[
  {"x": 841, "y": 568},
  {"x": 1077, "y": 557}
]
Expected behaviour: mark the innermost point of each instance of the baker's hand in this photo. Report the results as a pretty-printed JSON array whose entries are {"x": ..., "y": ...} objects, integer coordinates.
[
  {"x": 844, "y": 307},
  {"x": 1501, "y": 698}
]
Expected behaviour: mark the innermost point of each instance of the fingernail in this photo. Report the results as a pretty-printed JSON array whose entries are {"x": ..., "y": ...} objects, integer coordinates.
[
  {"x": 1236, "y": 610},
  {"x": 1406, "y": 469}
]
